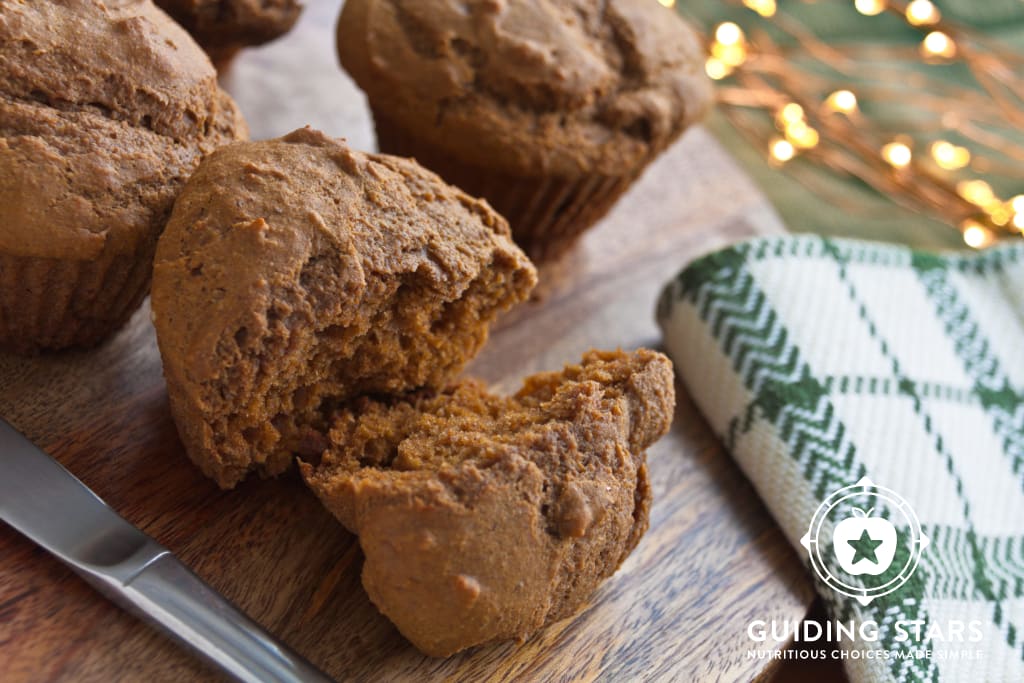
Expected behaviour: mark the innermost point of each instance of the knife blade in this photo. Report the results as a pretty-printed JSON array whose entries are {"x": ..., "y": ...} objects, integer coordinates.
[{"x": 46, "y": 503}]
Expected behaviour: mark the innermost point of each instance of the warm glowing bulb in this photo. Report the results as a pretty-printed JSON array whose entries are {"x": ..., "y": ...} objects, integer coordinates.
[
  {"x": 870, "y": 7},
  {"x": 1018, "y": 204},
  {"x": 802, "y": 135},
  {"x": 728, "y": 33},
  {"x": 897, "y": 154},
  {"x": 843, "y": 101},
  {"x": 730, "y": 55},
  {"x": 922, "y": 13},
  {"x": 950, "y": 157},
  {"x": 999, "y": 213},
  {"x": 938, "y": 44},
  {"x": 716, "y": 69},
  {"x": 789, "y": 114},
  {"x": 782, "y": 150},
  {"x": 667, "y": 3},
  {"x": 976, "y": 235},
  {"x": 943, "y": 152},
  {"x": 1018, "y": 221},
  {"x": 766, "y": 8},
  {"x": 976, "y": 192}
]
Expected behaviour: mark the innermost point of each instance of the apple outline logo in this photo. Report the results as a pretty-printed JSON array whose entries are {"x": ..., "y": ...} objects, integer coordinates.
[
  {"x": 863, "y": 591},
  {"x": 859, "y": 525}
]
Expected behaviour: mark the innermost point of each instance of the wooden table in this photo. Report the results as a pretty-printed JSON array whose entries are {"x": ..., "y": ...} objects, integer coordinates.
[{"x": 677, "y": 609}]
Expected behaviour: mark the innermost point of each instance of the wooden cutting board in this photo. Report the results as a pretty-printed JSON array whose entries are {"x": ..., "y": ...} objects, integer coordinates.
[{"x": 678, "y": 608}]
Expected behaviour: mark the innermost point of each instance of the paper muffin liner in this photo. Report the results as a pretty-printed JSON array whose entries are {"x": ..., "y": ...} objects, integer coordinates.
[
  {"x": 547, "y": 214},
  {"x": 51, "y": 304}
]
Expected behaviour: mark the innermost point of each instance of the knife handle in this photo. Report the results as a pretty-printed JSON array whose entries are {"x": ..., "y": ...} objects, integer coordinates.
[{"x": 166, "y": 594}]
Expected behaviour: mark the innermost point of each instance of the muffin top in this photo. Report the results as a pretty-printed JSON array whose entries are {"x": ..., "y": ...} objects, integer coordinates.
[
  {"x": 259, "y": 219},
  {"x": 222, "y": 26},
  {"x": 105, "y": 108},
  {"x": 560, "y": 87}
]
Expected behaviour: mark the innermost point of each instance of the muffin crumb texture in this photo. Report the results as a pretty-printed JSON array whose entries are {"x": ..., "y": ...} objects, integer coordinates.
[
  {"x": 484, "y": 517},
  {"x": 297, "y": 274}
]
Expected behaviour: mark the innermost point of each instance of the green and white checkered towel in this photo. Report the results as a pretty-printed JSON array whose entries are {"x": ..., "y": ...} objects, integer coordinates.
[{"x": 881, "y": 382}]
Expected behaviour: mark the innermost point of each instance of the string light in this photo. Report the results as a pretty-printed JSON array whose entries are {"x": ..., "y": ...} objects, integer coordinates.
[
  {"x": 976, "y": 235},
  {"x": 938, "y": 44},
  {"x": 897, "y": 154},
  {"x": 716, "y": 69},
  {"x": 980, "y": 193},
  {"x": 766, "y": 8},
  {"x": 728, "y": 51},
  {"x": 730, "y": 55},
  {"x": 842, "y": 101},
  {"x": 870, "y": 7},
  {"x": 728, "y": 33},
  {"x": 922, "y": 13},
  {"x": 950, "y": 157},
  {"x": 667, "y": 3},
  {"x": 793, "y": 123},
  {"x": 802, "y": 135},
  {"x": 844, "y": 144},
  {"x": 782, "y": 150},
  {"x": 998, "y": 213},
  {"x": 977, "y": 192},
  {"x": 790, "y": 113},
  {"x": 1017, "y": 209}
]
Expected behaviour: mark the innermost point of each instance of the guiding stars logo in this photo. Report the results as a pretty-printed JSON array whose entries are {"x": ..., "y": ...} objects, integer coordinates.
[{"x": 864, "y": 541}]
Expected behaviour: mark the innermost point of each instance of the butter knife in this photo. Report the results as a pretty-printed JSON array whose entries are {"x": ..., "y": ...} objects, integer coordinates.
[{"x": 46, "y": 503}]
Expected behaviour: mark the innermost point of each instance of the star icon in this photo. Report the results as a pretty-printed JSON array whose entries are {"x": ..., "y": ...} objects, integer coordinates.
[{"x": 865, "y": 547}]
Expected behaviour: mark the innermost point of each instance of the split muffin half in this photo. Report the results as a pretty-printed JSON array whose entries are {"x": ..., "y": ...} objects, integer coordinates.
[
  {"x": 296, "y": 274},
  {"x": 483, "y": 517}
]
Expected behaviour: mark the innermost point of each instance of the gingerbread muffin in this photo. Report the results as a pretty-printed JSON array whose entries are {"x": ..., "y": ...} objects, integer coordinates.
[
  {"x": 483, "y": 518},
  {"x": 222, "y": 27},
  {"x": 548, "y": 108},
  {"x": 105, "y": 110},
  {"x": 296, "y": 274}
]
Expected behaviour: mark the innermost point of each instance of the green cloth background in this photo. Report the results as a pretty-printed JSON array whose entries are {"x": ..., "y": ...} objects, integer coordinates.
[{"x": 836, "y": 22}]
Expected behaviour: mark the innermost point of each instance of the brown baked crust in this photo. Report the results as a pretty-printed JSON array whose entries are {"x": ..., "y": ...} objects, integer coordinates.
[
  {"x": 482, "y": 517},
  {"x": 538, "y": 87},
  {"x": 105, "y": 109},
  {"x": 295, "y": 273},
  {"x": 223, "y": 26}
]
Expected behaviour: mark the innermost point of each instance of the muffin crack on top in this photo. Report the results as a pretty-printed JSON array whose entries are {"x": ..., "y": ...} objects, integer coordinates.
[
  {"x": 604, "y": 72},
  {"x": 611, "y": 61},
  {"x": 220, "y": 117},
  {"x": 127, "y": 64}
]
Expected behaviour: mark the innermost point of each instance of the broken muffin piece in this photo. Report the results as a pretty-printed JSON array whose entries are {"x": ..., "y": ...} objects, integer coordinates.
[
  {"x": 483, "y": 518},
  {"x": 297, "y": 273}
]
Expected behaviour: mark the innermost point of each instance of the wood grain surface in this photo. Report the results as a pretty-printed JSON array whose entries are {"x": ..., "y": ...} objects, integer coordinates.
[{"x": 676, "y": 610}]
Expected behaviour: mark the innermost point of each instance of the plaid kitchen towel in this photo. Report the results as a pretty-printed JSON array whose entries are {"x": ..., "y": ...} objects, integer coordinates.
[{"x": 875, "y": 397}]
